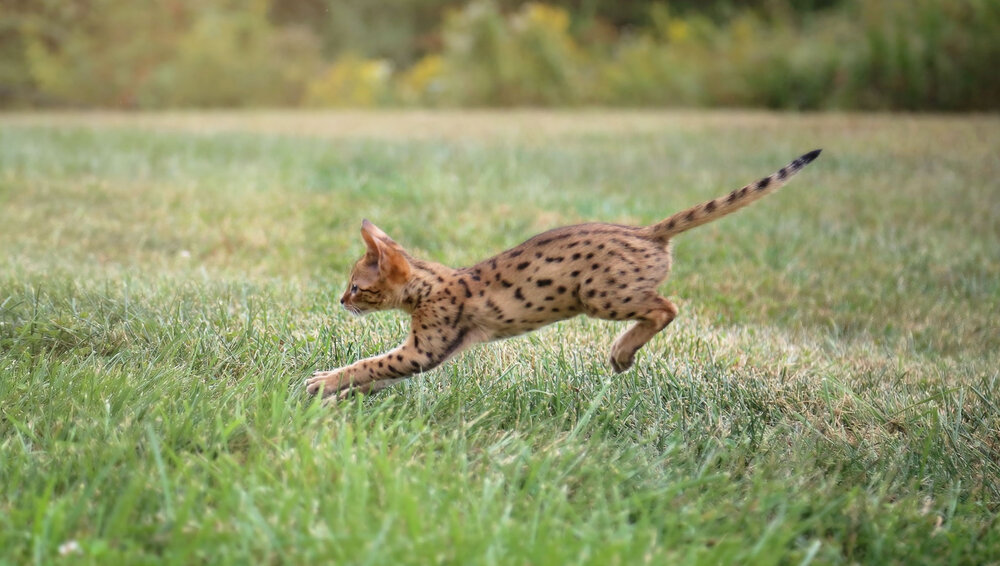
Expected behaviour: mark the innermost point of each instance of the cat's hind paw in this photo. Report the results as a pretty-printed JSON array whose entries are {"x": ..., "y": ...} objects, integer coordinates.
[{"x": 621, "y": 363}]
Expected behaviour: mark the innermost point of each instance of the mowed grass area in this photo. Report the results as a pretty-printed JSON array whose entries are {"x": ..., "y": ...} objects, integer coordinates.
[{"x": 829, "y": 394}]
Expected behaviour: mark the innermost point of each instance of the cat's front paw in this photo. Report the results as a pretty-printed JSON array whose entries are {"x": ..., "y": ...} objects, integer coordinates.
[{"x": 329, "y": 382}]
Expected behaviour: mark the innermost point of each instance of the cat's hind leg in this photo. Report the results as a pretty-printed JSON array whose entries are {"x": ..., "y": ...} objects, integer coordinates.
[{"x": 653, "y": 314}]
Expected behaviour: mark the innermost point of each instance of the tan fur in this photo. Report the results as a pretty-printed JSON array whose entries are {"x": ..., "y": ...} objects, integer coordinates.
[{"x": 606, "y": 271}]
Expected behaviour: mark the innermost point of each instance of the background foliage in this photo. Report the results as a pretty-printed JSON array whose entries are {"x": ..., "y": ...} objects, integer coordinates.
[{"x": 797, "y": 54}]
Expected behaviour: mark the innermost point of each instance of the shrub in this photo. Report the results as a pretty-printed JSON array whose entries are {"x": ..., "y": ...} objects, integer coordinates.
[
  {"x": 236, "y": 58},
  {"x": 351, "y": 81},
  {"x": 423, "y": 83},
  {"x": 526, "y": 58}
]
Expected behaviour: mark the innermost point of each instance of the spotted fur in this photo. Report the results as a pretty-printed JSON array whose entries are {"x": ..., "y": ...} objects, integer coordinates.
[{"x": 605, "y": 271}]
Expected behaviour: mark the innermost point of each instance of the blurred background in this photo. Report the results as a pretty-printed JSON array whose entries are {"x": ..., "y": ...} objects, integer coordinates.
[{"x": 917, "y": 55}]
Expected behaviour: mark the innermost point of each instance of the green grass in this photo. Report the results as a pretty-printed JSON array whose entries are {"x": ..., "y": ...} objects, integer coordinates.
[{"x": 829, "y": 393}]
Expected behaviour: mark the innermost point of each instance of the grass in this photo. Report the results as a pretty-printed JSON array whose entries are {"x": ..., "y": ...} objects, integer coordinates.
[{"x": 829, "y": 394}]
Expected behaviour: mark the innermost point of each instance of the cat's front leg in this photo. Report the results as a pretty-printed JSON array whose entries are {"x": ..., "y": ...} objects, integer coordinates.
[
  {"x": 371, "y": 374},
  {"x": 416, "y": 355}
]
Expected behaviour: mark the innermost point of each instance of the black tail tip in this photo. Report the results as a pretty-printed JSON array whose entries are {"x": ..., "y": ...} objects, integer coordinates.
[{"x": 807, "y": 158}]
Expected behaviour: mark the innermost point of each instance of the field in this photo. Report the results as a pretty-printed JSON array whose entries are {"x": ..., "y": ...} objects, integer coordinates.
[{"x": 829, "y": 393}]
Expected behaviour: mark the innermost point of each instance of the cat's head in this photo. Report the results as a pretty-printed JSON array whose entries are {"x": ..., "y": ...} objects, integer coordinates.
[{"x": 378, "y": 278}]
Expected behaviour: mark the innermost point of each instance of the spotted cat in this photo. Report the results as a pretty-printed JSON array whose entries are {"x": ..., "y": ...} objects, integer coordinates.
[{"x": 606, "y": 271}]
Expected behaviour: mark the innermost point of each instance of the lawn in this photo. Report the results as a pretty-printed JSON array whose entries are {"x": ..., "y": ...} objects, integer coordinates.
[{"x": 828, "y": 394}]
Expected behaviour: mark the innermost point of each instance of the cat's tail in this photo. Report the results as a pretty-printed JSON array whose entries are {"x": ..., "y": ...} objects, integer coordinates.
[{"x": 717, "y": 208}]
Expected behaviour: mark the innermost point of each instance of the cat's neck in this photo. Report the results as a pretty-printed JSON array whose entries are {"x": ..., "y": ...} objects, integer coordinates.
[{"x": 425, "y": 277}]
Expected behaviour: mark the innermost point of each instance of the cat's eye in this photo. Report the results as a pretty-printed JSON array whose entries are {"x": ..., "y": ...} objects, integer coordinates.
[{"x": 354, "y": 289}]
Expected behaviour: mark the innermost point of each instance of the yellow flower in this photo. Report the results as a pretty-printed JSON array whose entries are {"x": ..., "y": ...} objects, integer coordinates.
[
  {"x": 677, "y": 30},
  {"x": 545, "y": 16}
]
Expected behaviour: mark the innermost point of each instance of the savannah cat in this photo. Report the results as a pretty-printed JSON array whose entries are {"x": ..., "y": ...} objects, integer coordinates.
[{"x": 606, "y": 271}]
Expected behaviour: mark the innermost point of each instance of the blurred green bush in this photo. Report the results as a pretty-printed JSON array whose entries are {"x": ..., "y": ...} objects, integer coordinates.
[{"x": 793, "y": 54}]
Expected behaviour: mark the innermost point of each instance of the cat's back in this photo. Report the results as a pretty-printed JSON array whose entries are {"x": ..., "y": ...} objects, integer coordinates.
[{"x": 568, "y": 252}]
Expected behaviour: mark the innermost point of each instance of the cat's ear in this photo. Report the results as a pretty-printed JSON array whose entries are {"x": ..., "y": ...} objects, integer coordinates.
[
  {"x": 373, "y": 230},
  {"x": 371, "y": 235},
  {"x": 392, "y": 263}
]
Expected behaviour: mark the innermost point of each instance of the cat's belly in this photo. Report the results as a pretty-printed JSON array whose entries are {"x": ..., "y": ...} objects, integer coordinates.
[{"x": 512, "y": 321}]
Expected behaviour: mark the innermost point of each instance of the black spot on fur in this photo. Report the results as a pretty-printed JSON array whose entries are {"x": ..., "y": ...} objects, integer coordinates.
[
  {"x": 506, "y": 283},
  {"x": 763, "y": 183},
  {"x": 518, "y": 295},
  {"x": 516, "y": 253},
  {"x": 782, "y": 173},
  {"x": 560, "y": 289},
  {"x": 523, "y": 265},
  {"x": 710, "y": 206},
  {"x": 543, "y": 282}
]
